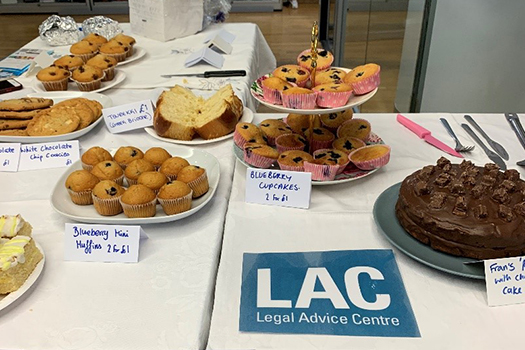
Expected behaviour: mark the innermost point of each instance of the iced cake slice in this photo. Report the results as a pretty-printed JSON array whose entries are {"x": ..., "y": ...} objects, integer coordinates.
[{"x": 12, "y": 225}]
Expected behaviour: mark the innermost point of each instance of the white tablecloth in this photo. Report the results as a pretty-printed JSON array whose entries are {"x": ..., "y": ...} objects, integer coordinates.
[
  {"x": 451, "y": 311},
  {"x": 250, "y": 52},
  {"x": 162, "y": 302}
]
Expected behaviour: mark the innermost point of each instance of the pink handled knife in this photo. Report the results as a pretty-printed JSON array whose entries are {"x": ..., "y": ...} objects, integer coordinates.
[{"x": 426, "y": 135}]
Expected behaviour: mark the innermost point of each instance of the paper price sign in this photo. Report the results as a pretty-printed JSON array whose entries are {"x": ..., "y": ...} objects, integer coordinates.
[
  {"x": 132, "y": 116},
  {"x": 48, "y": 155},
  {"x": 9, "y": 156},
  {"x": 276, "y": 187},
  {"x": 103, "y": 243},
  {"x": 505, "y": 280}
]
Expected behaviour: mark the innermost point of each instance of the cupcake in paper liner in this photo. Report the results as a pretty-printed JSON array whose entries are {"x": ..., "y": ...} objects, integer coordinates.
[
  {"x": 272, "y": 88},
  {"x": 106, "y": 63},
  {"x": 358, "y": 128},
  {"x": 116, "y": 49},
  {"x": 273, "y": 128},
  {"x": 106, "y": 198},
  {"x": 196, "y": 178},
  {"x": 333, "y": 155},
  {"x": 84, "y": 49},
  {"x": 332, "y": 121},
  {"x": 93, "y": 156},
  {"x": 370, "y": 157},
  {"x": 248, "y": 132},
  {"x": 259, "y": 156},
  {"x": 348, "y": 144},
  {"x": 54, "y": 78},
  {"x": 322, "y": 170},
  {"x": 109, "y": 170},
  {"x": 175, "y": 197},
  {"x": 324, "y": 59},
  {"x": 128, "y": 40},
  {"x": 290, "y": 142},
  {"x": 299, "y": 98},
  {"x": 321, "y": 138},
  {"x": 293, "y": 160},
  {"x": 139, "y": 202},
  {"x": 332, "y": 95},
  {"x": 79, "y": 185},
  {"x": 363, "y": 79},
  {"x": 154, "y": 180},
  {"x": 88, "y": 78},
  {"x": 135, "y": 168},
  {"x": 292, "y": 73}
]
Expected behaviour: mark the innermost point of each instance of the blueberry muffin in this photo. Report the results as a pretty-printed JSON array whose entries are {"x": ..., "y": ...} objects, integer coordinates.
[
  {"x": 88, "y": 78},
  {"x": 139, "y": 202},
  {"x": 260, "y": 156},
  {"x": 115, "y": 49},
  {"x": 332, "y": 95},
  {"x": 93, "y": 156},
  {"x": 320, "y": 138},
  {"x": 289, "y": 142},
  {"x": 292, "y": 74},
  {"x": 364, "y": 79},
  {"x": 196, "y": 177},
  {"x": 334, "y": 120},
  {"x": 79, "y": 185},
  {"x": 172, "y": 166},
  {"x": 106, "y": 63},
  {"x": 106, "y": 197},
  {"x": 175, "y": 197},
  {"x": 273, "y": 87},
  {"x": 109, "y": 170},
  {"x": 157, "y": 156},
  {"x": 330, "y": 76},
  {"x": 135, "y": 168},
  {"x": 324, "y": 59},
  {"x": 248, "y": 132},
  {"x": 68, "y": 62},
  {"x": 54, "y": 78},
  {"x": 84, "y": 49},
  {"x": 301, "y": 122},
  {"x": 273, "y": 128},
  {"x": 358, "y": 128},
  {"x": 293, "y": 160},
  {"x": 348, "y": 144},
  {"x": 127, "y": 154},
  {"x": 299, "y": 98},
  {"x": 333, "y": 156}
]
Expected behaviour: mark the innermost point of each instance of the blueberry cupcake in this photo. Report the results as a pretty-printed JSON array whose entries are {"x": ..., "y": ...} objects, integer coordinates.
[
  {"x": 370, "y": 157},
  {"x": 301, "y": 122},
  {"x": 273, "y": 128},
  {"x": 248, "y": 132},
  {"x": 135, "y": 168},
  {"x": 260, "y": 156},
  {"x": 93, "y": 156},
  {"x": 322, "y": 169},
  {"x": 340, "y": 157},
  {"x": 175, "y": 197},
  {"x": 196, "y": 177},
  {"x": 363, "y": 79},
  {"x": 324, "y": 59},
  {"x": 139, "y": 202},
  {"x": 289, "y": 142},
  {"x": 293, "y": 160},
  {"x": 332, "y": 121},
  {"x": 330, "y": 76},
  {"x": 127, "y": 154},
  {"x": 106, "y": 197},
  {"x": 332, "y": 95},
  {"x": 54, "y": 78},
  {"x": 299, "y": 98},
  {"x": 348, "y": 144},
  {"x": 320, "y": 138},
  {"x": 172, "y": 166},
  {"x": 109, "y": 170},
  {"x": 292, "y": 74},
  {"x": 273, "y": 87},
  {"x": 358, "y": 128}
]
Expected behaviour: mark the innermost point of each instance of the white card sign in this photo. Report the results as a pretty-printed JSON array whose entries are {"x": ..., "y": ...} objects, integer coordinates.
[
  {"x": 102, "y": 243},
  {"x": 34, "y": 156},
  {"x": 219, "y": 44},
  {"x": 505, "y": 280},
  {"x": 223, "y": 34},
  {"x": 277, "y": 187},
  {"x": 9, "y": 156},
  {"x": 207, "y": 55},
  {"x": 137, "y": 115}
]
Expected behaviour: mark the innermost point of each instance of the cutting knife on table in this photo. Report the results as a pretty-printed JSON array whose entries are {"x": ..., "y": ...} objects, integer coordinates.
[
  {"x": 209, "y": 74},
  {"x": 426, "y": 135},
  {"x": 491, "y": 154}
]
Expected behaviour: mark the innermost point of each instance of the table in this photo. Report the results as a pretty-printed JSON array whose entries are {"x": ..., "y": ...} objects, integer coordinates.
[
  {"x": 451, "y": 312},
  {"x": 164, "y": 301}
]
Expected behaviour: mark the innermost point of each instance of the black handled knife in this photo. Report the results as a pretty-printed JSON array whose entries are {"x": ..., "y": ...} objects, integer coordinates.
[{"x": 210, "y": 74}]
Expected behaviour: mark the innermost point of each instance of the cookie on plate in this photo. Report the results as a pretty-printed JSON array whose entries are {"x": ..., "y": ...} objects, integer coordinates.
[
  {"x": 56, "y": 121},
  {"x": 25, "y": 104}
]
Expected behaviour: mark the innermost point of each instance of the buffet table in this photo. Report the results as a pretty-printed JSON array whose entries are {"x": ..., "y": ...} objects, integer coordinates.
[
  {"x": 164, "y": 301},
  {"x": 451, "y": 311}
]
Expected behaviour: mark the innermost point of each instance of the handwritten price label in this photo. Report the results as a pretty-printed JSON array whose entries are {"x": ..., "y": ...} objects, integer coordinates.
[
  {"x": 276, "y": 187},
  {"x": 132, "y": 116},
  {"x": 103, "y": 243},
  {"x": 505, "y": 280},
  {"x": 9, "y": 157},
  {"x": 48, "y": 155}
]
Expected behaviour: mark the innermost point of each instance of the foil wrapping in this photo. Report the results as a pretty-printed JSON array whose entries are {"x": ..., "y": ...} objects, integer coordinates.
[
  {"x": 101, "y": 25},
  {"x": 58, "y": 31}
]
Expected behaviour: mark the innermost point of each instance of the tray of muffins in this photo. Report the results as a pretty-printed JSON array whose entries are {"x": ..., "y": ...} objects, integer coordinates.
[
  {"x": 135, "y": 186},
  {"x": 291, "y": 88},
  {"x": 335, "y": 147},
  {"x": 51, "y": 116},
  {"x": 91, "y": 65}
]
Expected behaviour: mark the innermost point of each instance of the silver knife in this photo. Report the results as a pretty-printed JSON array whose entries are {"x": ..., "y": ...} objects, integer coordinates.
[
  {"x": 492, "y": 155},
  {"x": 496, "y": 146},
  {"x": 210, "y": 74},
  {"x": 515, "y": 124}
]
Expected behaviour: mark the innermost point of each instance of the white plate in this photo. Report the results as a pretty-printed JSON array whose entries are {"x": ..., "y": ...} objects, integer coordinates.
[
  {"x": 72, "y": 86},
  {"x": 138, "y": 52},
  {"x": 58, "y": 96},
  {"x": 353, "y": 101},
  {"x": 351, "y": 173},
  {"x": 247, "y": 116},
  {"x": 6, "y": 300},
  {"x": 61, "y": 201}
]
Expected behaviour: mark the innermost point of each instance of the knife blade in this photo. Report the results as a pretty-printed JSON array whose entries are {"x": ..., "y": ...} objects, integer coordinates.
[
  {"x": 515, "y": 125},
  {"x": 209, "y": 74},
  {"x": 492, "y": 155},
  {"x": 495, "y": 146},
  {"x": 426, "y": 135}
]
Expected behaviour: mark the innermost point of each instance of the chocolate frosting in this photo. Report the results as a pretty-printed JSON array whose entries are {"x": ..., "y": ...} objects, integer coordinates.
[{"x": 465, "y": 210}]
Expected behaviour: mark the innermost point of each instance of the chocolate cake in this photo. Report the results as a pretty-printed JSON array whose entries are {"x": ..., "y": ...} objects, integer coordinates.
[{"x": 465, "y": 210}]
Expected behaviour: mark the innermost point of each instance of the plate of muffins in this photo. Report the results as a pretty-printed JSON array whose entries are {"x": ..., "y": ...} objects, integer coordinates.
[
  {"x": 131, "y": 185},
  {"x": 336, "y": 148},
  {"x": 291, "y": 88}
]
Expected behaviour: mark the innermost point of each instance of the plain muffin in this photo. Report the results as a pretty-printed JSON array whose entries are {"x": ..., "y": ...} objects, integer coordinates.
[
  {"x": 79, "y": 185},
  {"x": 156, "y": 156},
  {"x": 195, "y": 176},
  {"x": 153, "y": 180},
  {"x": 139, "y": 202},
  {"x": 93, "y": 156},
  {"x": 175, "y": 197},
  {"x": 172, "y": 166},
  {"x": 135, "y": 168}
]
